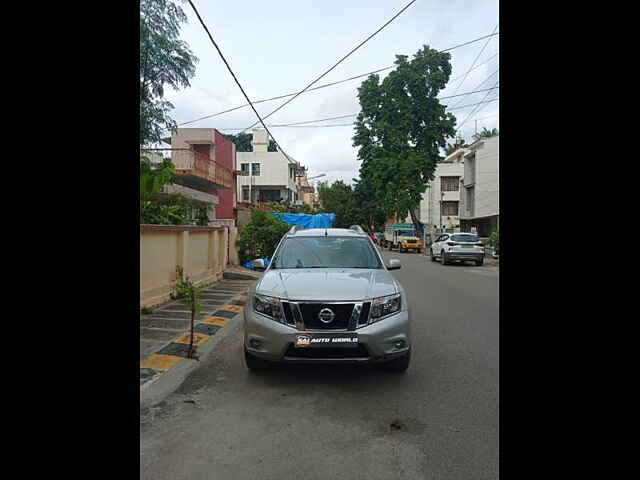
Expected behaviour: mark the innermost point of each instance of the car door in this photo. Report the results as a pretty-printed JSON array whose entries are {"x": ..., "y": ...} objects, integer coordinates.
[
  {"x": 435, "y": 246},
  {"x": 441, "y": 242}
]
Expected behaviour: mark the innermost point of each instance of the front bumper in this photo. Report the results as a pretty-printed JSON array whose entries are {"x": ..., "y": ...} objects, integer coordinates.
[
  {"x": 377, "y": 341},
  {"x": 411, "y": 246}
]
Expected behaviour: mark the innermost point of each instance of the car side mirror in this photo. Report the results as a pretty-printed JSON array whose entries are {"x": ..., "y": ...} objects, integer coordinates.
[{"x": 394, "y": 264}]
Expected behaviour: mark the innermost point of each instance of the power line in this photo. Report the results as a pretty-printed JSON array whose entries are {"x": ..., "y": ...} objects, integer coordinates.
[
  {"x": 236, "y": 80},
  {"x": 339, "y": 61},
  {"x": 439, "y": 98},
  {"x": 476, "y": 59},
  {"x": 475, "y": 110},
  {"x": 302, "y": 124},
  {"x": 478, "y": 86},
  {"x": 325, "y": 85},
  {"x": 474, "y": 68}
]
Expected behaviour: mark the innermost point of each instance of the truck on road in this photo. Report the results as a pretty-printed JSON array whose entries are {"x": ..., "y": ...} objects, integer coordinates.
[{"x": 402, "y": 236}]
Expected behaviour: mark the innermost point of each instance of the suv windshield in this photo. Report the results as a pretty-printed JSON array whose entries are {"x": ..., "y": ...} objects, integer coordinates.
[
  {"x": 326, "y": 252},
  {"x": 464, "y": 238}
]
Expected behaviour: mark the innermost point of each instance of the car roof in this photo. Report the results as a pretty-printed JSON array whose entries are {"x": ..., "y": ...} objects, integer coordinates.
[{"x": 328, "y": 232}]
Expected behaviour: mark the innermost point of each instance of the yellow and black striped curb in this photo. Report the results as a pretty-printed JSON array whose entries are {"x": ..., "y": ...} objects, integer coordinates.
[{"x": 174, "y": 353}]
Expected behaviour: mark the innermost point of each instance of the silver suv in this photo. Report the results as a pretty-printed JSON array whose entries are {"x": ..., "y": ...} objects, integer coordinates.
[{"x": 327, "y": 297}]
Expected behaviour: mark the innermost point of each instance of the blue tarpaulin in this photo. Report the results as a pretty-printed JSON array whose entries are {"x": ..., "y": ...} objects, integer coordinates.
[{"x": 306, "y": 220}]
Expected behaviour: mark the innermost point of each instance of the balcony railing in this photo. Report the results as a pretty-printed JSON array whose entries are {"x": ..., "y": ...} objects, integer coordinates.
[{"x": 197, "y": 170}]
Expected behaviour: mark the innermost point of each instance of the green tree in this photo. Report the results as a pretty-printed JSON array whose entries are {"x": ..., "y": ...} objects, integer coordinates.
[
  {"x": 164, "y": 60},
  {"x": 339, "y": 198},
  {"x": 187, "y": 293},
  {"x": 259, "y": 238},
  {"x": 401, "y": 128},
  {"x": 368, "y": 210},
  {"x": 243, "y": 142},
  {"x": 486, "y": 133}
]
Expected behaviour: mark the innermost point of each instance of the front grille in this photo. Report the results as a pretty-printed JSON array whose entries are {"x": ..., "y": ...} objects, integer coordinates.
[
  {"x": 411, "y": 241},
  {"x": 288, "y": 314},
  {"x": 327, "y": 352},
  {"x": 310, "y": 313}
]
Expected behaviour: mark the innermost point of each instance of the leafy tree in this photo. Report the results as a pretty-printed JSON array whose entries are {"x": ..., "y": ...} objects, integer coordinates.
[
  {"x": 339, "y": 198},
  {"x": 368, "y": 210},
  {"x": 243, "y": 142},
  {"x": 486, "y": 133},
  {"x": 164, "y": 60},
  {"x": 401, "y": 128},
  {"x": 154, "y": 177},
  {"x": 259, "y": 238}
]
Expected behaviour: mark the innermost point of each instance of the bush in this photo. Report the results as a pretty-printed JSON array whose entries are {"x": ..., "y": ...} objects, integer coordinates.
[
  {"x": 260, "y": 237},
  {"x": 494, "y": 240}
]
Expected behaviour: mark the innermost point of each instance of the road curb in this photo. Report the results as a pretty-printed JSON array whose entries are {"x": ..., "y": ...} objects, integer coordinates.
[{"x": 168, "y": 368}]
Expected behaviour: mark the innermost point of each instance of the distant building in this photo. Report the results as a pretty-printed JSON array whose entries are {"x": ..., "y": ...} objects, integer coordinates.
[
  {"x": 440, "y": 205},
  {"x": 480, "y": 185},
  {"x": 266, "y": 176},
  {"x": 204, "y": 161}
]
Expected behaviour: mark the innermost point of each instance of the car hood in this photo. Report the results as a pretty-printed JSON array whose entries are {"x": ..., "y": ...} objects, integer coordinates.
[{"x": 329, "y": 285}]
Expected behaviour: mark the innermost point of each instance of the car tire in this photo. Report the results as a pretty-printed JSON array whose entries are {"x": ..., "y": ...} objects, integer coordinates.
[
  {"x": 479, "y": 263},
  {"x": 402, "y": 250},
  {"x": 433, "y": 257},
  {"x": 254, "y": 363},
  {"x": 399, "y": 365},
  {"x": 443, "y": 257}
]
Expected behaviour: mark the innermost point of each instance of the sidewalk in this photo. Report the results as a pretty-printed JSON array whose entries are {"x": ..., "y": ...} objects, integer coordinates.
[{"x": 164, "y": 333}]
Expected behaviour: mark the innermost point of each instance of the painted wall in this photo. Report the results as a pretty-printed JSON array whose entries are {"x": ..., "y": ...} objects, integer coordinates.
[
  {"x": 201, "y": 251},
  {"x": 484, "y": 170},
  {"x": 225, "y": 156},
  {"x": 274, "y": 171}
]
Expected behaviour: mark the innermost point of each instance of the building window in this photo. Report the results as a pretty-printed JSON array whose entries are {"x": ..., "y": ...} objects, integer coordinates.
[
  {"x": 449, "y": 184},
  {"x": 245, "y": 194},
  {"x": 244, "y": 168},
  {"x": 470, "y": 199},
  {"x": 256, "y": 169},
  {"x": 450, "y": 208}
]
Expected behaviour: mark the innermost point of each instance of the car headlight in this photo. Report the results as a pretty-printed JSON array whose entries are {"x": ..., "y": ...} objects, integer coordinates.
[
  {"x": 384, "y": 306},
  {"x": 269, "y": 307}
]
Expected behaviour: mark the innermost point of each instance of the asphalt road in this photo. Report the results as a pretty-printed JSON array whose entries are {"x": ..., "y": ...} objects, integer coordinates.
[{"x": 437, "y": 421}]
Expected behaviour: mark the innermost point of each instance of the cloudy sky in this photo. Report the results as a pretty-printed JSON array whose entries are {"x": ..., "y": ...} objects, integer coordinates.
[{"x": 280, "y": 46}]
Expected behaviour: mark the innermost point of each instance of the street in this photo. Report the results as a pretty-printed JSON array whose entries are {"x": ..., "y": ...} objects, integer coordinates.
[{"x": 437, "y": 421}]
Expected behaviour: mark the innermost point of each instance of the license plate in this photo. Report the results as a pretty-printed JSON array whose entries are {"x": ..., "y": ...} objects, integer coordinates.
[
  {"x": 467, "y": 246},
  {"x": 308, "y": 340}
]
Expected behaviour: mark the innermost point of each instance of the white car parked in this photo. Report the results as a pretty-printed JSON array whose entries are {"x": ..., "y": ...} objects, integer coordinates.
[{"x": 450, "y": 247}]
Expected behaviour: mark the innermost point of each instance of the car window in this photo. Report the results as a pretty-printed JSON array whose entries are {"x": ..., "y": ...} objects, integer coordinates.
[
  {"x": 464, "y": 238},
  {"x": 326, "y": 252}
]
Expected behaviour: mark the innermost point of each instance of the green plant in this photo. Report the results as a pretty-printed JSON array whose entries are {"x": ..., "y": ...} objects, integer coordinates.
[
  {"x": 494, "y": 240},
  {"x": 188, "y": 294},
  {"x": 146, "y": 311},
  {"x": 259, "y": 238}
]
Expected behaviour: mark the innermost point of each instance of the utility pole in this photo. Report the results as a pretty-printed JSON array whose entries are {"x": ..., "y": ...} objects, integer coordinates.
[
  {"x": 476, "y": 127},
  {"x": 441, "y": 197}
]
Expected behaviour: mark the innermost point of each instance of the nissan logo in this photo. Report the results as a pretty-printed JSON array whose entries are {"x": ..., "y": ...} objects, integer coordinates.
[{"x": 326, "y": 315}]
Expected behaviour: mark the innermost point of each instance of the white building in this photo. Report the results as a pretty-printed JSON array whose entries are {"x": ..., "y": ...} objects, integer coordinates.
[
  {"x": 440, "y": 205},
  {"x": 267, "y": 176},
  {"x": 480, "y": 206}
]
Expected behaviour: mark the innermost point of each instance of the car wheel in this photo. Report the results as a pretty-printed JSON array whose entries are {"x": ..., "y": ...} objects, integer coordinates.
[
  {"x": 254, "y": 363},
  {"x": 443, "y": 257},
  {"x": 399, "y": 365},
  {"x": 433, "y": 257},
  {"x": 479, "y": 263},
  {"x": 402, "y": 250}
]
